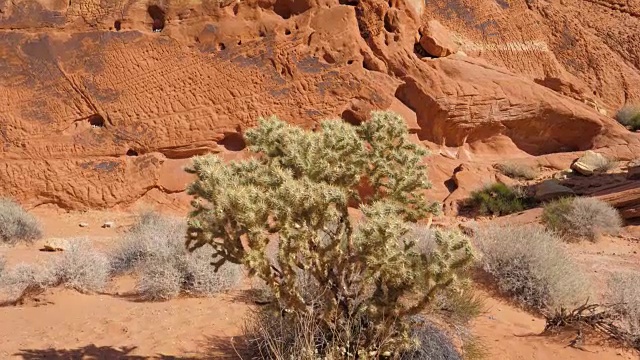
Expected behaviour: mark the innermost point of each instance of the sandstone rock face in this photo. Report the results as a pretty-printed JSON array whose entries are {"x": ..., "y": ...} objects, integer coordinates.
[
  {"x": 97, "y": 110},
  {"x": 436, "y": 40}
]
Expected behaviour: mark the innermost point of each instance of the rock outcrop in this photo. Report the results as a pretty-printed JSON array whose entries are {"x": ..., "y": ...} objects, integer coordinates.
[{"x": 102, "y": 103}]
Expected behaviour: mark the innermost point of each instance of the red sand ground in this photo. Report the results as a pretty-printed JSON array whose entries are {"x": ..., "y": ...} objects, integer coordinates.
[{"x": 64, "y": 324}]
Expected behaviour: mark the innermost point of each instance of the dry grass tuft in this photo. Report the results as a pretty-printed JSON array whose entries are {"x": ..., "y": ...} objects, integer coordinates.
[
  {"x": 518, "y": 171},
  {"x": 82, "y": 268},
  {"x": 530, "y": 264},
  {"x": 624, "y": 291},
  {"x": 582, "y": 218},
  {"x": 154, "y": 250},
  {"x": 16, "y": 224}
]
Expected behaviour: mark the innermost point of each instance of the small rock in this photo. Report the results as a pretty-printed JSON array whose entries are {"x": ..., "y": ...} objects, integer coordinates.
[
  {"x": 562, "y": 175},
  {"x": 108, "y": 224},
  {"x": 551, "y": 190},
  {"x": 84, "y": 224},
  {"x": 55, "y": 244},
  {"x": 589, "y": 163},
  {"x": 436, "y": 40}
]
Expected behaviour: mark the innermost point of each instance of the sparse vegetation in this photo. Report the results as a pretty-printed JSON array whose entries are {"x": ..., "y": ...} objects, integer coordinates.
[
  {"x": 82, "y": 268},
  {"x": 624, "y": 293},
  {"x": 154, "y": 249},
  {"x": 517, "y": 170},
  {"x": 25, "y": 280},
  {"x": 16, "y": 224},
  {"x": 499, "y": 199},
  {"x": 629, "y": 116},
  {"x": 530, "y": 264},
  {"x": 582, "y": 218},
  {"x": 369, "y": 280}
]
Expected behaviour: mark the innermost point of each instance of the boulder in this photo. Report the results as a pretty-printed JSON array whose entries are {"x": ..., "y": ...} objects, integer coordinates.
[
  {"x": 436, "y": 40},
  {"x": 551, "y": 190},
  {"x": 589, "y": 163}
]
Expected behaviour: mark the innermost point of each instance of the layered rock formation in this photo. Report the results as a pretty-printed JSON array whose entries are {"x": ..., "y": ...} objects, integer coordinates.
[{"x": 99, "y": 109}]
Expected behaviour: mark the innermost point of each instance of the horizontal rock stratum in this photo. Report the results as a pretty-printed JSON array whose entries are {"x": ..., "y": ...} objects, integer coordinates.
[{"x": 98, "y": 110}]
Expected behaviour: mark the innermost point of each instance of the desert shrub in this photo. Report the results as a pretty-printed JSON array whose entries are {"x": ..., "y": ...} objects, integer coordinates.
[
  {"x": 530, "y": 264},
  {"x": 518, "y": 170},
  {"x": 16, "y": 224},
  {"x": 629, "y": 116},
  {"x": 83, "y": 268},
  {"x": 624, "y": 292},
  {"x": 499, "y": 199},
  {"x": 296, "y": 194},
  {"x": 582, "y": 217},
  {"x": 159, "y": 279},
  {"x": 23, "y": 280},
  {"x": 154, "y": 249}
]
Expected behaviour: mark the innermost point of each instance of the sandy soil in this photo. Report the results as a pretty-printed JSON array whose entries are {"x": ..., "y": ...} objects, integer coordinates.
[{"x": 64, "y": 324}]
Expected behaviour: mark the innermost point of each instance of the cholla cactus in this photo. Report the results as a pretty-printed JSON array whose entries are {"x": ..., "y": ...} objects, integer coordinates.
[{"x": 296, "y": 192}]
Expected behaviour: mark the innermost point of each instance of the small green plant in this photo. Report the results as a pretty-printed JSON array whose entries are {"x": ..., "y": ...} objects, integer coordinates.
[
  {"x": 530, "y": 264},
  {"x": 517, "y": 170},
  {"x": 296, "y": 193},
  {"x": 629, "y": 116},
  {"x": 499, "y": 199},
  {"x": 16, "y": 224},
  {"x": 154, "y": 250},
  {"x": 582, "y": 218}
]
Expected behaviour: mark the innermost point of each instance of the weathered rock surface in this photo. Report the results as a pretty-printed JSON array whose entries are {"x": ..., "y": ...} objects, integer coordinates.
[
  {"x": 551, "y": 190},
  {"x": 94, "y": 117},
  {"x": 625, "y": 197},
  {"x": 436, "y": 40}
]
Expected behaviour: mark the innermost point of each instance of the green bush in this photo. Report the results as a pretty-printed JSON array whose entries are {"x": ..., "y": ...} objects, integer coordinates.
[
  {"x": 296, "y": 193},
  {"x": 518, "y": 171},
  {"x": 530, "y": 265},
  {"x": 629, "y": 116},
  {"x": 16, "y": 224},
  {"x": 499, "y": 199},
  {"x": 582, "y": 218},
  {"x": 154, "y": 250}
]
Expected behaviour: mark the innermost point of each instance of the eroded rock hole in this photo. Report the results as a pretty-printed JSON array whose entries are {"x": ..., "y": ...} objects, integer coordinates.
[
  {"x": 349, "y": 62},
  {"x": 349, "y": 2},
  {"x": 158, "y": 16},
  {"x": 287, "y": 32},
  {"x": 239, "y": 42},
  {"x": 233, "y": 142},
  {"x": 117, "y": 25},
  {"x": 96, "y": 121},
  {"x": 221, "y": 46},
  {"x": 132, "y": 152}
]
